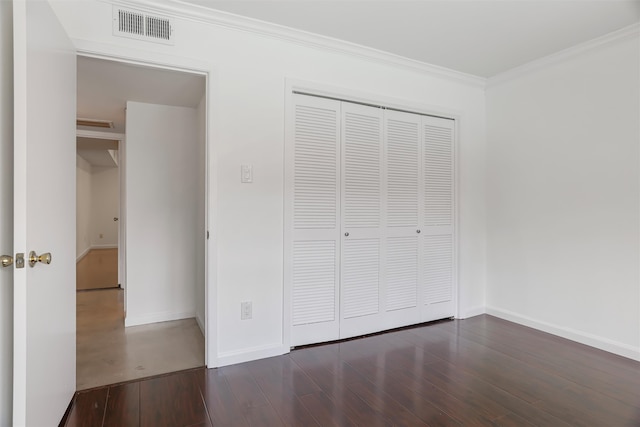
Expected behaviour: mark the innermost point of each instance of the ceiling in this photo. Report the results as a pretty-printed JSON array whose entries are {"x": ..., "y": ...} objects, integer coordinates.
[
  {"x": 478, "y": 37},
  {"x": 481, "y": 37},
  {"x": 104, "y": 87}
]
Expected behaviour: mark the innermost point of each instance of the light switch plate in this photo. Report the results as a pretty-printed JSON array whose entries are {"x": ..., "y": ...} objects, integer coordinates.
[
  {"x": 246, "y": 310},
  {"x": 246, "y": 174}
]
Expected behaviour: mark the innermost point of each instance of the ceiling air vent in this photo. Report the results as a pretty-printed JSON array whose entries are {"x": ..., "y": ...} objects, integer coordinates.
[
  {"x": 141, "y": 26},
  {"x": 108, "y": 124}
]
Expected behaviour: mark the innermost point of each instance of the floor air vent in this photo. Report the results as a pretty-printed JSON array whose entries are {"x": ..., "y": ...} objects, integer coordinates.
[{"x": 141, "y": 26}]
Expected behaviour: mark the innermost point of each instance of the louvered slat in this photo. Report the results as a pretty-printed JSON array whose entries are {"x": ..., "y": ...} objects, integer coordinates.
[
  {"x": 438, "y": 268},
  {"x": 402, "y": 272},
  {"x": 315, "y": 189},
  {"x": 402, "y": 173},
  {"x": 360, "y": 277},
  {"x": 314, "y": 286},
  {"x": 438, "y": 175},
  {"x": 362, "y": 140}
]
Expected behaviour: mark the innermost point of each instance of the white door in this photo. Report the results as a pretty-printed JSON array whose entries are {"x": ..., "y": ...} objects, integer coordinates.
[
  {"x": 438, "y": 248},
  {"x": 312, "y": 247},
  {"x": 403, "y": 209},
  {"x": 362, "y": 289},
  {"x": 44, "y": 215}
]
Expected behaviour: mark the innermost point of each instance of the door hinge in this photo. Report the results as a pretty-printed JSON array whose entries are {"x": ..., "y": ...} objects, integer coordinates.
[{"x": 207, "y": 234}]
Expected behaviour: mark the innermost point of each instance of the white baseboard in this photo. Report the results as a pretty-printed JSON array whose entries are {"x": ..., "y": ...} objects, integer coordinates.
[
  {"x": 200, "y": 320},
  {"x": 471, "y": 312},
  {"x": 568, "y": 333},
  {"x": 83, "y": 254},
  {"x": 104, "y": 246},
  {"x": 249, "y": 354},
  {"x": 145, "y": 319},
  {"x": 92, "y": 247}
]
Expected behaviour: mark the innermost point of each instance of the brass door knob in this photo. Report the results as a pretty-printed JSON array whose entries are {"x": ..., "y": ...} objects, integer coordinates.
[
  {"x": 6, "y": 260},
  {"x": 34, "y": 258}
]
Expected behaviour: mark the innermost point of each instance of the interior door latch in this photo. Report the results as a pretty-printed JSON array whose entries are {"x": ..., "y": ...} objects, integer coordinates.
[{"x": 20, "y": 260}]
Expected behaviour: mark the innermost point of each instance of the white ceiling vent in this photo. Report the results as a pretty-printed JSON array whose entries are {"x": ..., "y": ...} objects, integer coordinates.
[{"x": 142, "y": 26}]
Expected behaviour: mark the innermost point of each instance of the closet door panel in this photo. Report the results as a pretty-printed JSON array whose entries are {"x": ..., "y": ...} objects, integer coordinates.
[
  {"x": 438, "y": 171},
  {"x": 362, "y": 187},
  {"x": 402, "y": 273},
  {"x": 438, "y": 254},
  {"x": 360, "y": 278},
  {"x": 362, "y": 150},
  {"x": 312, "y": 245},
  {"x": 403, "y": 208},
  {"x": 402, "y": 145}
]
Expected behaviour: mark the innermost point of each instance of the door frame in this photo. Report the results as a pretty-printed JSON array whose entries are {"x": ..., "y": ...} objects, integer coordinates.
[
  {"x": 122, "y": 250},
  {"x": 312, "y": 88},
  {"x": 149, "y": 59}
]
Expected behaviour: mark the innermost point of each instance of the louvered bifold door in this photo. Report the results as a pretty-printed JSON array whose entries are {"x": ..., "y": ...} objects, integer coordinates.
[
  {"x": 438, "y": 249},
  {"x": 312, "y": 242},
  {"x": 402, "y": 146},
  {"x": 362, "y": 187}
]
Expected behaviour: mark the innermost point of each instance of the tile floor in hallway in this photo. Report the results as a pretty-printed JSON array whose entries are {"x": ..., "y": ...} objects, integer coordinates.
[{"x": 108, "y": 353}]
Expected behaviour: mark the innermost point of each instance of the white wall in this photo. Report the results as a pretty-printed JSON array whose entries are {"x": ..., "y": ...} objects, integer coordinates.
[
  {"x": 105, "y": 205},
  {"x": 200, "y": 294},
  {"x": 162, "y": 203},
  {"x": 246, "y": 123},
  {"x": 6, "y": 211},
  {"x": 83, "y": 207},
  {"x": 563, "y": 197}
]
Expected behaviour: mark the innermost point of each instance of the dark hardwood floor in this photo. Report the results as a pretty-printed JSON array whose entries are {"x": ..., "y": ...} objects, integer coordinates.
[{"x": 481, "y": 371}]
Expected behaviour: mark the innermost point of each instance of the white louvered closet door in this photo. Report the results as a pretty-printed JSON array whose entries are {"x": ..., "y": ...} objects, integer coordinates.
[
  {"x": 438, "y": 250},
  {"x": 362, "y": 220},
  {"x": 312, "y": 240},
  {"x": 402, "y": 147}
]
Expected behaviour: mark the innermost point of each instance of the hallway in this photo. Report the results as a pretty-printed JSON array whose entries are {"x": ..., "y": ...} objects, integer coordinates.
[
  {"x": 107, "y": 352},
  {"x": 98, "y": 269}
]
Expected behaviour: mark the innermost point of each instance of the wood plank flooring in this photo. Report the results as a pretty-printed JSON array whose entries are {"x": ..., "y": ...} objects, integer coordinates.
[
  {"x": 481, "y": 371},
  {"x": 98, "y": 269}
]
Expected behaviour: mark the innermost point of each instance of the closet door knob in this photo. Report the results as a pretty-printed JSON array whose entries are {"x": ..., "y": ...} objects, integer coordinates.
[
  {"x": 346, "y": 234},
  {"x": 418, "y": 231}
]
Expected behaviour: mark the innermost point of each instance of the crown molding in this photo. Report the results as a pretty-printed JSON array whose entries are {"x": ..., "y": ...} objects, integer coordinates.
[
  {"x": 597, "y": 43},
  {"x": 197, "y": 13}
]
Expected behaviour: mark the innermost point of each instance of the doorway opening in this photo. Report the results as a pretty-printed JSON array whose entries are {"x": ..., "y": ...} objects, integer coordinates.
[
  {"x": 143, "y": 172},
  {"x": 97, "y": 210}
]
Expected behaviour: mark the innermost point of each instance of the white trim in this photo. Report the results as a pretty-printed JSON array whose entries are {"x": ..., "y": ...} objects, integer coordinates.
[
  {"x": 541, "y": 63},
  {"x": 104, "y": 247},
  {"x": 471, "y": 312},
  {"x": 83, "y": 254},
  {"x": 211, "y": 187},
  {"x": 97, "y": 134},
  {"x": 164, "y": 316},
  {"x": 188, "y": 11},
  {"x": 602, "y": 343},
  {"x": 456, "y": 213},
  {"x": 350, "y": 95},
  {"x": 252, "y": 353},
  {"x": 200, "y": 322}
]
